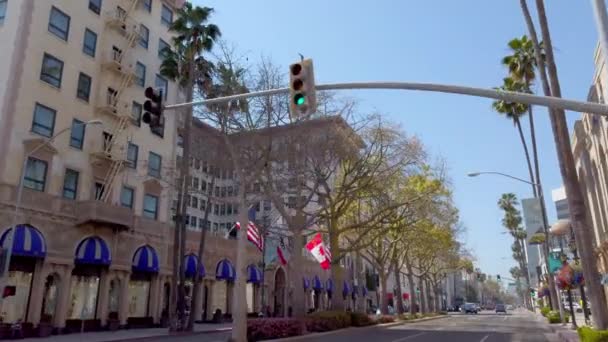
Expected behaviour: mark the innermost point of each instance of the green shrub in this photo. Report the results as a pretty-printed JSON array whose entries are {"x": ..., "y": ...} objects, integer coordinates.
[
  {"x": 405, "y": 317},
  {"x": 328, "y": 320},
  {"x": 359, "y": 319},
  {"x": 553, "y": 317},
  {"x": 545, "y": 311},
  {"x": 588, "y": 334},
  {"x": 386, "y": 319}
]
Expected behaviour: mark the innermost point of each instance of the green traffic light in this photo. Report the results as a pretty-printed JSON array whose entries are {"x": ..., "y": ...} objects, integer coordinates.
[{"x": 299, "y": 99}]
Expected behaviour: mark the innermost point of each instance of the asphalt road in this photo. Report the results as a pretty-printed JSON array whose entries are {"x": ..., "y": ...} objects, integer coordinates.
[{"x": 485, "y": 327}]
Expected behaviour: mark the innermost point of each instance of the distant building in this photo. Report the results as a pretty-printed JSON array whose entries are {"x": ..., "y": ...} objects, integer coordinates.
[{"x": 561, "y": 203}]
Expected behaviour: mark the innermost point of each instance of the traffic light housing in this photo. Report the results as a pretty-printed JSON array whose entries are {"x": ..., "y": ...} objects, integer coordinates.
[
  {"x": 498, "y": 277},
  {"x": 302, "y": 93},
  {"x": 9, "y": 291},
  {"x": 153, "y": 108}
]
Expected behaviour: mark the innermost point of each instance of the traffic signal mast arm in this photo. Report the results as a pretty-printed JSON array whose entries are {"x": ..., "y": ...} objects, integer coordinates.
[{"x": 545, "y": 101}]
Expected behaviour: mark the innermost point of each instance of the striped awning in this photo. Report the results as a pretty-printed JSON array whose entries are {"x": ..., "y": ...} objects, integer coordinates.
[
  {"x": 346, "y": 289},
  {"x": 329, "y": 285},
  {"x": 317, "y": 284},
  {"x": 145, "y": 259},
  {"x": 27, "y": 241},
  {"x": 305, "y": 283},
  {"x": 93, "y": 251},
  {"x": 254, "y": 274},
  {"x": 191, "y": 264},
  {"x": 225, "y": 271}
]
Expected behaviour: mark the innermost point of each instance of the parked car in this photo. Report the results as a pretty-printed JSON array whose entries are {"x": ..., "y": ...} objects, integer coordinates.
[
  {"x": 469, "y": 308},
  {"x": 501, "y": 308}
]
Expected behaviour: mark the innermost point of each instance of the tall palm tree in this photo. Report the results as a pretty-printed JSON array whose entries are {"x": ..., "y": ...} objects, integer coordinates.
[
  {"x": 514, "y": 112},
  {"x": 186, "y": 65},
  {"x": 578, "y": 213}
]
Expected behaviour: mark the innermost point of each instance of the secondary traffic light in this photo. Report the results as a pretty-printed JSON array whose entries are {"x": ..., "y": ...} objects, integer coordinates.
[
  {"x": 302, "y": 93},
  {"x": 153, "y": 107}
]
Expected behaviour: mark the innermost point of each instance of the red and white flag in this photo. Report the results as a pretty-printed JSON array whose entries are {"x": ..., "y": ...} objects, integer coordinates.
[
  {"x": 253, "y": 233},
  {"x": 317, "y": 248},
  {"x": 282, "y": 253}
]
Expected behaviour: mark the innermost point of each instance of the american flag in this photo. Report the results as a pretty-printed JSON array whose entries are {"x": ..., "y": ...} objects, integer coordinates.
[{"x": 253, "y": 233}]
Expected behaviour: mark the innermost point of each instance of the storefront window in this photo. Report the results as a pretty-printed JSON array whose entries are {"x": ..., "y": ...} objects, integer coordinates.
[
  {"x": 114, "y": 296},
  {"x": 83, "y": 299},
  {"x": 139, "y": 292},
  {"x": 250, "y": 293},
  {"x": 14, "y": 308}
]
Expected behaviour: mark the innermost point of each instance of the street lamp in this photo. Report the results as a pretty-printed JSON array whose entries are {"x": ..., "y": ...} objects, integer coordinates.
[
  {"x": 541, "y": 198},
  {"x": 11, "y": 231}
]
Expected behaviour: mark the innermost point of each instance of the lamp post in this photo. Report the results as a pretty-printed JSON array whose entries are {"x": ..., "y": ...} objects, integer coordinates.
[
  {"x": 11, "y": 231},
  {"x": 541, "y": 198}
]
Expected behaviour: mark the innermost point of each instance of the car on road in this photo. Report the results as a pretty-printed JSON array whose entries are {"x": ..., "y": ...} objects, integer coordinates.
[
  {"x": 469, "y": 308},
  {"x": 501, "y": 308}
]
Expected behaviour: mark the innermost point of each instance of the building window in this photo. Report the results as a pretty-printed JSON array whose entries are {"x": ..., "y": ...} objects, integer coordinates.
[
  {"x": 132, "y": 154},
  {"x": 35, "y": 174},
  {"x": 89, "y": 44},
  {"x": 99, "y": 190},
  {"x": 210, "y": 193},
  {"x": 3, "y": 4},
  {"x": 201, "y": 223},
  {"x": 194, "y": 203},
  {"x": 95, "y": 6},
  {"x": 70, "y": 184},
  {"x": 154, "y": 164},
  {"x": 77, "y": 134},
  {"x": 195, "y": 182},
  {"x": 216, "y": 209},
  {"x": 203, "y": 186},
  {"x": 150, "y": 206},
  {"x": 162, "y": 83},
  {"x": 148, "y": 5},
  {"x": 193, "y": 221},
  {"x": 84, "y": 87},
  {"x": 203, "y": 205},
  {"x": 126, "y": 197},
  {"x": 59, "y": 23},
  {"x": 166, "y": 16},
  {"x": 140, "y": 74},
  {"x": 44, "y": 120},
  {"x": 144, "y": 35},
  {"x": 267, "y": 205},
  {"x": 136, "y": 111},
  {"x": 229, "y": 209},
  {"x": 163, "y": 47},
  {"x": 52, "y": 68}
]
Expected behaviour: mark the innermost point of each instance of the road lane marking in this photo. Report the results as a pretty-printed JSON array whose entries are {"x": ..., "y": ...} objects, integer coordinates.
[
  {"x": 484, "y": 338},
  {"x": 408, "y": 337}
]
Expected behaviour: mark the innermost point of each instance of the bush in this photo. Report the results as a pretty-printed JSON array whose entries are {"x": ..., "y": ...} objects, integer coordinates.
[
  {"x": 405, "y": 317},
  {"x": 385, "y": 319},
  {"x": 553, "y": 317},
  {"x": 271, "y": 328},
  {"x": 588, "y": 334},
  {"x": 328, "y": 320},
  {"x": 359, "y": 319},
  {"x": 545, "y": 311}
]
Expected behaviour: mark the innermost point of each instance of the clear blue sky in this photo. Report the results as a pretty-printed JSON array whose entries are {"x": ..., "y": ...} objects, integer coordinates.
[{"x": 457, "y": 42}]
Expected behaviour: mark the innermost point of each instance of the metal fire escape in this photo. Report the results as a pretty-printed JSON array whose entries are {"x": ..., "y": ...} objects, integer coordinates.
[{"x": 118, "y": 60}]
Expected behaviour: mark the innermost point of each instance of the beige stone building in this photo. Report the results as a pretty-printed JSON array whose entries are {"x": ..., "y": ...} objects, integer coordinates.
[{"x": 590, "y": 144}]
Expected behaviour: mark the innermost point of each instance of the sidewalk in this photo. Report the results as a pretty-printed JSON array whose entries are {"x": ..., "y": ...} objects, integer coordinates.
[
  {"x": 566, "y": 332},
  {"x": 129, "y": 334}
]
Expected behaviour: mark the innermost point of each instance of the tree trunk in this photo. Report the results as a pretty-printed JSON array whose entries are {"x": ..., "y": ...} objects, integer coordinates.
[
  {"x": 384, "y": 306},
  {"x": 399, "y": 300},
  {"x": 337, "y": 272},
  {"x": 361, "y": 300},
  {"x": 297, "y": 277},
  {"x": 412, "y": 286},
  {"x": 527, "y": 153},
  {"x": 173, "y": 317},
  {"x": 422, "y": 296},
  {"x": 524, "y": 252},
  {"x": 239, "y": 296},
  {"x": 201, "y": 250}
]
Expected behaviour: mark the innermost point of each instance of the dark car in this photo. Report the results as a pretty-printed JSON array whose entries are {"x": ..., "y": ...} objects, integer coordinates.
[
  {"x": 501, "y": 308},
  {"x": 469, "y": 308}
]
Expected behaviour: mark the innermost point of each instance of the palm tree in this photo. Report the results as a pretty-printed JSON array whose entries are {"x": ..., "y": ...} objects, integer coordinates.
[
  {"x": 514, "y": 111},
  {"x": 186, "y": 65},
  {"x": 551, "y": 87}
]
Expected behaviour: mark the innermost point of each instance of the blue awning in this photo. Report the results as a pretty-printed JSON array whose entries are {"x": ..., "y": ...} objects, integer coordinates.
[
  {"x": 191, "y": 264},
  {"x": 329, "y": 285},
  {"x": 305, "y": 283},
  {"x": 317, "y": 284},
  {"x": 225, "y": 271},
  {"x": 254, "y": 275},
  {"x": 346, "y": 289},
  {"x": 145, "y": 259},
  {"x": 93, "y": 251},
  {"x": 27, "y": 241}
]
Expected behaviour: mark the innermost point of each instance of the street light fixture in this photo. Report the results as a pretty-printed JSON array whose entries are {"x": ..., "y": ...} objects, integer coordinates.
[{"x": 11, "y": 231}]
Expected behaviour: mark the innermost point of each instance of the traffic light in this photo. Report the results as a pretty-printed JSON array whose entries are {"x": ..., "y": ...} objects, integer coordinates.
[
  {"x": 153, "y": 107},
  {"x": 303, "y": 98},
  {"x": 498, "y": 277},
  {"x": 9, "y": 291}
]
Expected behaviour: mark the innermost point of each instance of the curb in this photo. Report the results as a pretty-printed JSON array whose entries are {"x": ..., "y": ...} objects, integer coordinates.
[
  {"x": 385, "y": 325},
  {"x": 172, "y": 335}
]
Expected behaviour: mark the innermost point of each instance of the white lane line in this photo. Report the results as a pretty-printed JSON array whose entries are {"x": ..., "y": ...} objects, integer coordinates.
[
  {"x": 484, "y": 338},
  {"x": 408, "y": 337}
]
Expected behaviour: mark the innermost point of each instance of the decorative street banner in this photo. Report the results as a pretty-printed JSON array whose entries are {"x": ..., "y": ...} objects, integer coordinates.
[{"x": 555, "y": 263}]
